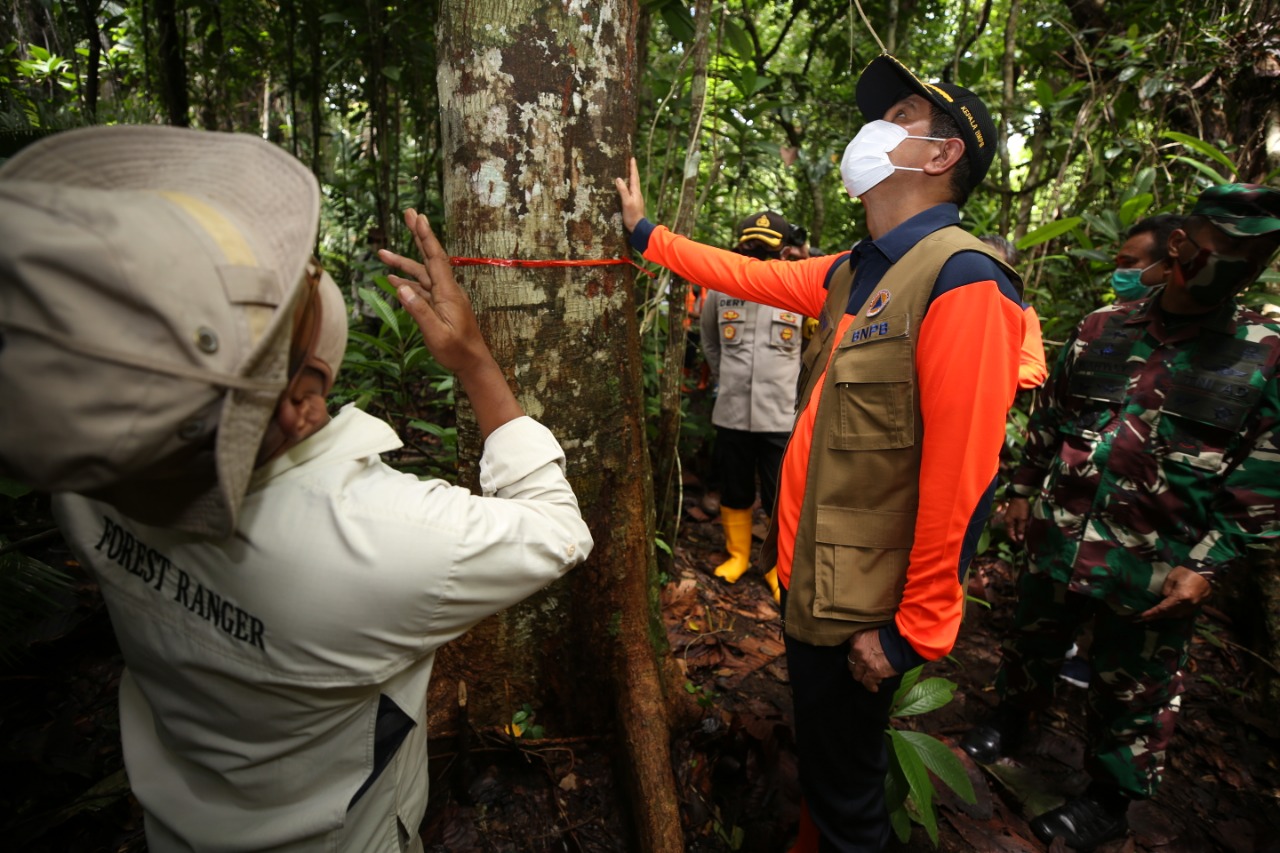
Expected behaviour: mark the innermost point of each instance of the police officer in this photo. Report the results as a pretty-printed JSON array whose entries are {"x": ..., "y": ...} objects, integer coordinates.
[
  {"x": 1152, "y": 458},
  {"x": 753, "y": 351}
]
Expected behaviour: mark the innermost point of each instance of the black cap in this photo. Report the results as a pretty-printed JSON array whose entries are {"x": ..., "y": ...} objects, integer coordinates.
[
  {"x": 767, "y": 227},
  {"x": 885, "y": 81}
]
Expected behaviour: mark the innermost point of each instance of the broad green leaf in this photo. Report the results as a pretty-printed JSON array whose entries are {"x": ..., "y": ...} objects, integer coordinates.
[
  {"x": 431, "y": 429},
  {"x": 736, "y": 38},
  {"x": 662, "y": 546},
  {"x": 1204, "y": 168},
  {"x": 913, "y": 767},
  {"x": 1133, "y": 209},
  {"x": 414, "y": 357},
  {"x": 1045, "y": 233},
  {"x": 1145, "y": 180},
  {"x": 12, "y": 488},
  {"x": 383, "y": 310},
  {"x": 1201, "y": 147},
  {"x": 928, "y": 695},
  {"x": 984, "y": 541},
  {"x": 896, "y": 788},
  {"x": 1068, "y": 91},
  {"x": 385, "y": 285},
  {"x": 909, "y": 679},
  {"x": 917, "y": 776},
  {"x": 679, "y": 21},
  {"x": 901, "y": 823},
  {"x": 377, "y": 343},
  {"x": 1210, "y": 637},
  {"x": 1044, "y": 93},
  {"x": 939, "y": 758},
  {"x": 392, "y": 72}
]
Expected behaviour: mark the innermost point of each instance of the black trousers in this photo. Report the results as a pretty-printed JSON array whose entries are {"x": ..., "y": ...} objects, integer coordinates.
[
  {"x": 841, "y": 745},
  {"x": 740, "y": 457}
]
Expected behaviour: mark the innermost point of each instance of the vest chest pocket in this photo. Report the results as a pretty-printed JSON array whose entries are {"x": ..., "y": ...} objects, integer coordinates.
[
  {"x": 873, "y": 388},
  {"x": 784, "y": 330}
]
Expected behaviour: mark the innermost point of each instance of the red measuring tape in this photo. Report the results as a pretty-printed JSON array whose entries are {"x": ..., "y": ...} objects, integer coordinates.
[{"x": 513, "y": 262}]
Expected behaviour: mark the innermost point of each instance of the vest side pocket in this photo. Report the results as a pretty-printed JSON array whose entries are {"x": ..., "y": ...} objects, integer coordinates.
[{"x": 860, "y": 563}]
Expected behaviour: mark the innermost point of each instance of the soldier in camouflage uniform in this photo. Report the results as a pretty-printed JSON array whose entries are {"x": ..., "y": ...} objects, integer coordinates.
[{"x": 1154, "y": 460}]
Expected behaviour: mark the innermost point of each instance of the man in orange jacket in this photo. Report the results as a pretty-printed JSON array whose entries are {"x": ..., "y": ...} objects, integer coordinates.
[{"x": 888, "y": 476}]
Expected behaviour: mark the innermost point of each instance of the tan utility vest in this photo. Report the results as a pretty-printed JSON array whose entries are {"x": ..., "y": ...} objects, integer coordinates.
[{"x": 857, "y": 522}]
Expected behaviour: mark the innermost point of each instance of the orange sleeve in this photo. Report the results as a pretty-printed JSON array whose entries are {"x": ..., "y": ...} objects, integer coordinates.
[
  {"x": 967, "y": 364},
  {"x": 1032, "y": 368},
  {"x": 798, "y": 286}
]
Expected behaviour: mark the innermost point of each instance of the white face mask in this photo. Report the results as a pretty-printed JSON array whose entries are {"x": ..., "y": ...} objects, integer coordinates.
[{"x": 866, "y": 159}]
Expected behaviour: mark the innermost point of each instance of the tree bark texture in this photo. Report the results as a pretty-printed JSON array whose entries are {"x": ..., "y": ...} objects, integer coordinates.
[{"x": 538, "y": 111}]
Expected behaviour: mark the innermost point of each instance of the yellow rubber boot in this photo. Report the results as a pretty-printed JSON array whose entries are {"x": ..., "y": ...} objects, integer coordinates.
[
  {"x": 737, "y": 541},
  {"x": 771, "y": 578}
]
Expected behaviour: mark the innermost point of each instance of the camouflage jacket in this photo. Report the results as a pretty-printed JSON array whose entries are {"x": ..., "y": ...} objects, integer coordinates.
[{"x": 1153, "y": 445}]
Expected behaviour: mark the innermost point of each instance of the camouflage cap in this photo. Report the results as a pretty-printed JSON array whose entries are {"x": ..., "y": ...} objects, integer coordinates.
[{"x": 1241, "y": 210}]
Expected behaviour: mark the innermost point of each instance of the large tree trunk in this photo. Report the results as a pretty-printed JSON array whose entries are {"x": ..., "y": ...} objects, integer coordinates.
[{"x": 538, "y": 109}]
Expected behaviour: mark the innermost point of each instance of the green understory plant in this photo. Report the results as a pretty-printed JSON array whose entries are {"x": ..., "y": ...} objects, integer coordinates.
[
  {"x": 909, "y": 788},
  {"x": 389, "y": 371}
]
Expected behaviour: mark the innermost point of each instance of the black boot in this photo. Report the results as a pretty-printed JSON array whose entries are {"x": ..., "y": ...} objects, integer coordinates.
[
  {"x": 1085, "y": 821},
  {"x": 1001, "y": 733}
]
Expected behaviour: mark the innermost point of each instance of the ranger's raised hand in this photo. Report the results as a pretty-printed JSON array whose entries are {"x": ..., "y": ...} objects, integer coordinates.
[
  {"x": 632, "y": 198},
  {"x": 443, "y": 312}
]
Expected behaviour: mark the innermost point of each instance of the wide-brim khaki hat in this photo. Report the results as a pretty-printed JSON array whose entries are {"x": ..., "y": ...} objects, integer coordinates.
[{"x": 147, "y": 282}]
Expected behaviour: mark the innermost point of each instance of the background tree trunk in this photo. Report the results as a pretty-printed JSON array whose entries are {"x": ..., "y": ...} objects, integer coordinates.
[
  {"x": 89, "y": 14},
  {"x": 173, "y": 68},
  {"x": 666, "y": 455},
  {"x": 538, "y": 111}
]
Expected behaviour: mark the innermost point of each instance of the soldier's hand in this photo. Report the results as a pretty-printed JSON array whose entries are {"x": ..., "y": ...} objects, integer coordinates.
[
  {"x": 632, "y": 198},
  {"x": 867, "y": 662},
  {"x": 1183, "y": 591},
  {"x": 1015, "y": 518}
]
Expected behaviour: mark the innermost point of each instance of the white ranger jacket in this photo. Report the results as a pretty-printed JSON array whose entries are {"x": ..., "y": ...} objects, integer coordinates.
[
  {"x": 270, "y": 673},
  {"x": 754, "y": 353}
]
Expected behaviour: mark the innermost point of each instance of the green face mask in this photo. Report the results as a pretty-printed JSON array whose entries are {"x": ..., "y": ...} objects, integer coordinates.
[{"x": 1128, "y": 284}]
